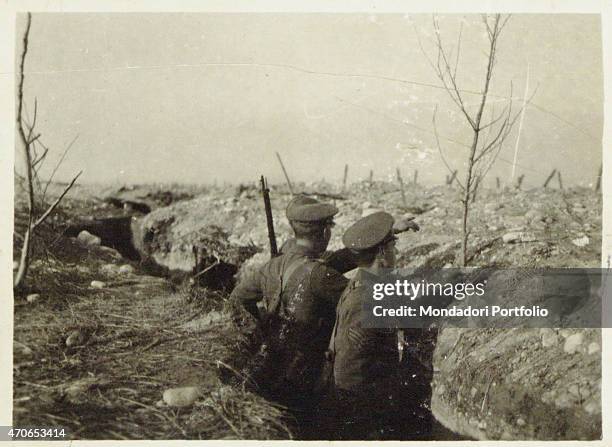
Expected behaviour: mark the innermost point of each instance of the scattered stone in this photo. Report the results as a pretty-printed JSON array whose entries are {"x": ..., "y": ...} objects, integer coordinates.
[
  {"x": 97, "y": 284},
  {"x": 110, "y": 269},
  {"x": 110, "y": 251},
  {"x": 592, "y": 407},
  {"x": 565, "y": 332},
  {"x": 181, "y": 397},
  {"x": 491, "y": 207},
  {"x": 85, "y": 237},
  {"x": 160, "y": 404},
  {"x": 75, "y": 338},
  {"x": 517, "y": 236},
  {"x": 573, "y": 343},
  {"x": 574, "y": 390},
  {"x": 509, "y": 238},
  {"x": 126, "y": 269},
  {"x": 593, "y": 348},
  {"x": 565, "y": 400},
  {"x": 520, "y": 422},
  {"x": 33, "y": 297},
  {"x": 76, "y": 390},
  {"x": 441, "y": 389},
  {"x": 534, "y": 215},
  {"x": 549, "y": 338},
  {"x": 15, "y": 265},
  {"x": 21, "y": 349},
  {"x": 585, "y": 391},
  {"x": 582, "y": 241}
]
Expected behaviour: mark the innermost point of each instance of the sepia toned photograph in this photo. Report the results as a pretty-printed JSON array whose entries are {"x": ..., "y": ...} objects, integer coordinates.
[{"x": 203, "y": 201}]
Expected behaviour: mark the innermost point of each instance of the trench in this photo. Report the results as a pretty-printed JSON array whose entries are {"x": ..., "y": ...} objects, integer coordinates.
[
  {"x": 118, "y": 233},
  {"x": 410, "y": 420},
  {"x": 114, "y": 232},
  {"x": 395, "y": 409}
]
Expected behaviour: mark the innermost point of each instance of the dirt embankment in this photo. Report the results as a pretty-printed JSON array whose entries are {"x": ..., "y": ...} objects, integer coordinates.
[{"x": 519, "y": 383}]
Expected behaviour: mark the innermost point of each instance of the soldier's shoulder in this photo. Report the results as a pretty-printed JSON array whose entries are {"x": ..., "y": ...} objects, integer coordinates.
[
  {"x": 358, "y": 285},
  {"x": 322, "y": 269},
  {"x": 272, "y": 267},
  {"x": 325, "y": 278}
]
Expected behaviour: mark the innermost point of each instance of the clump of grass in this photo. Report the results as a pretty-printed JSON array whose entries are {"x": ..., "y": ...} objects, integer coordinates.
[{"x": 234, "y": 413}]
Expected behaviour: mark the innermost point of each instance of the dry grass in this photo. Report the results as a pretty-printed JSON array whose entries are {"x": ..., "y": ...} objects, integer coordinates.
[{"x": 134, "y": 345}]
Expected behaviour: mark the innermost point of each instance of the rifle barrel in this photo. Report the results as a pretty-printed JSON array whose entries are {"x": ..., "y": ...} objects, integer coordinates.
[{"x": 269, "y": 219}]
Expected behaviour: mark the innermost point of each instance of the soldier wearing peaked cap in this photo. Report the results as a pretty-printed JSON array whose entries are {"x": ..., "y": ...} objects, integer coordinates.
[
  {"x": 364, "y": 360},
  {"x": 298, "y": 292},
  {"x": 344, "y": 259},
  {"x": 373, "y": 241},
  {"x": 340, "y": 260}
]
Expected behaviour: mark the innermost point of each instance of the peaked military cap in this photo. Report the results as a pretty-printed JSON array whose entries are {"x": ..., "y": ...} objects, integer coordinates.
[
  {"x": 369, "y": 232},
  {"x": 306, "y": 209}
]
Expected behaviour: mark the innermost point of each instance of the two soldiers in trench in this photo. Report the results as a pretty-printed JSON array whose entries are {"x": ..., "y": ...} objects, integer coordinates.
[{"x": 316, "y": 358}]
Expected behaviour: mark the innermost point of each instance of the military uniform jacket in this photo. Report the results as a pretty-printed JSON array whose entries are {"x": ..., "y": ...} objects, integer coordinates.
[
  {"x": 361, "y": 356},
  {"x": 299, "y": 294},
  {"x": 341, "y": 260}
]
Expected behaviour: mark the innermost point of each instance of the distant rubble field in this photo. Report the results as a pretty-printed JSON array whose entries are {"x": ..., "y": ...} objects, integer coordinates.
[
  {"x": 542, "y": 227},
  {"x": 545, "y": 227}
]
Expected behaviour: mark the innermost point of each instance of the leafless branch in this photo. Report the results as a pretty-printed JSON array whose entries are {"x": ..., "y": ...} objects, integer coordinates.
[
  {"x": 458, "y": 50},
  {"x": 495, "y": 120},
  {"x": 54, "y": 205},
  {"x": 444, "y": 70},
  {"x": 41, "y": 158},
  {"x": 59, "y": 163},
  {"x": 435, "y": 127}
]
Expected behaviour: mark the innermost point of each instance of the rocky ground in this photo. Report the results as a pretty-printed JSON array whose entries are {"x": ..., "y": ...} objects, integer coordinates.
[{"x": 111, "y": 323}]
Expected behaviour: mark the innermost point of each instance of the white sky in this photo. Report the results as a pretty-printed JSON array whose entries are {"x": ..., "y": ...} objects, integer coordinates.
[{"x": 204, "y": 97}]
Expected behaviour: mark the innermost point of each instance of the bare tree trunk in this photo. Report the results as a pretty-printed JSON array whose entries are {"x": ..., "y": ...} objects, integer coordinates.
[
  {"x": 30, "y": 165},
  {"x": 466, "y": 202},
  {"x": 477, "y": 129},
  {"x": 24, "y": 262}
]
